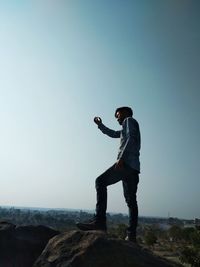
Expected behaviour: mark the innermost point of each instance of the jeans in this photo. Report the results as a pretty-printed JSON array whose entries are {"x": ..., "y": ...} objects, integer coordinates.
[{"x": 130, "y": 179}]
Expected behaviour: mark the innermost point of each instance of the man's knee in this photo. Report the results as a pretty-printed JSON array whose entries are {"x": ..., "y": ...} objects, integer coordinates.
[
  {"x": 131, "y": 201},
  {"x": 100, "y": 183}
]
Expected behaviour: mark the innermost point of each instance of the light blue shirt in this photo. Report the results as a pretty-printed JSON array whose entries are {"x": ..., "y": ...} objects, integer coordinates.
[{"x": 130, "y": 141}]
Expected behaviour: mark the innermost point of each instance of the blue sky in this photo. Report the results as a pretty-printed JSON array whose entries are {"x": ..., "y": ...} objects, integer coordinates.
[{"x": 64, "y": 62}]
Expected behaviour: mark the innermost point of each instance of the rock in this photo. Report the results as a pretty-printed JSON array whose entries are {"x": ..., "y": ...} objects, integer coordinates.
[
  {"x": 21, "y": 246},
  {"x": 6, "y": 226},
  {"x": 95, "y": 249}
]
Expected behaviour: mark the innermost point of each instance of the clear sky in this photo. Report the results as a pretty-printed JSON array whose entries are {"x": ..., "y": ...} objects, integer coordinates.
[{"x": 64, "y": 62}]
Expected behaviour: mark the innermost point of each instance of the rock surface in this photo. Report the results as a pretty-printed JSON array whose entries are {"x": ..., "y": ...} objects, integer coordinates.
[
  {"x": 95, "y": 249},
  {"x": 21, "y": 246}
]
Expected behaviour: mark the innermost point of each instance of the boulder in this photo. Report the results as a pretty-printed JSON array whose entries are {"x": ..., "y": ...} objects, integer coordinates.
[
  {"x": 21, "y": 246},
  {"x": 95, "y": 249}
]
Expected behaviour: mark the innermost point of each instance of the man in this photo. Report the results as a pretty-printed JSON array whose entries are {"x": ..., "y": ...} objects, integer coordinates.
[{"x": 126, "y": 169}]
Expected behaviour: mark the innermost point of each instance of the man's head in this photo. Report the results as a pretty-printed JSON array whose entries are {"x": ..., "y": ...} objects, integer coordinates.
[{"x": 122, "y": 113}]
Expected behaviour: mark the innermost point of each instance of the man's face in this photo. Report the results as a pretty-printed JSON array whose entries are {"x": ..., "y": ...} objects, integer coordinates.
[{"x": 120, "y": 116}]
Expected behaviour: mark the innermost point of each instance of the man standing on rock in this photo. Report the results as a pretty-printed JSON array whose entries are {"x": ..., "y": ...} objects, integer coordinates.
[{"x": 126, "y": 169}]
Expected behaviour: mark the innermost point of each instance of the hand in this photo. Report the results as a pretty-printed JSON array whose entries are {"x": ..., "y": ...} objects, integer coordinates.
[
  {"x": 97, "y": 120},
  {"x": 119, "y": 164}
]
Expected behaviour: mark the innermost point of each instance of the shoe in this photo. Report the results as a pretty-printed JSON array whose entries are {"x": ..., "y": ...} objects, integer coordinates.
[
  {"x": 131, "y": 238},
  {"x": 92, "y": 226}
]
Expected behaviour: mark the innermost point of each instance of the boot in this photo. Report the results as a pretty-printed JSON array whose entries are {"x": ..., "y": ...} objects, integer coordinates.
[
  {"x": 93, "y": 224},
  {"x": 131, "y": 237}
]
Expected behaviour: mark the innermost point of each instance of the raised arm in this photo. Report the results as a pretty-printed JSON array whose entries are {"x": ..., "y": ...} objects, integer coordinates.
[{"x": 106, "y": 130}]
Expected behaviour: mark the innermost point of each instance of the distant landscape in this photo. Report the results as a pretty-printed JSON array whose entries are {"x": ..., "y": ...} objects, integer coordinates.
[{"x": 172, "y": 238}]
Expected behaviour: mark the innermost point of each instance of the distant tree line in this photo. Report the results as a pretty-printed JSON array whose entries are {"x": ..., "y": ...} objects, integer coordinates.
[{"x": 59, "y": 219}]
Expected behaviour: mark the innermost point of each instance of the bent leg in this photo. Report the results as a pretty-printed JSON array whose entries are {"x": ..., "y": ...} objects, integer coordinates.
[{"x": 109, "y": 177}]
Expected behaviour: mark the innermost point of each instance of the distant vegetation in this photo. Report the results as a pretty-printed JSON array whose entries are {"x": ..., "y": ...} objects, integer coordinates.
[
  {"x": 177, "y": 243},
  {"x": 59, "y": 219}
]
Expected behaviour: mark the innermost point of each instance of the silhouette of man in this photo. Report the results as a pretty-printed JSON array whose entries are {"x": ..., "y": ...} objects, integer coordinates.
[{"x": 126, "y": 169}]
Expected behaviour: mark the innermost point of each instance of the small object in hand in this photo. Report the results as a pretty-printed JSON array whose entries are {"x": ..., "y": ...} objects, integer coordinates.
[{"x": 97, "y": 120}]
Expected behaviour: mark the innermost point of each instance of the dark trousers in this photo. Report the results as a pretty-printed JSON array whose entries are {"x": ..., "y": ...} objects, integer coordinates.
[{"x": 130, "y": 179}]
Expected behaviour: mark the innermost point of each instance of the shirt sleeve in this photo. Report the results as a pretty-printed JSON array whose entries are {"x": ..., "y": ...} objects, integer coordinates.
[
  {"x": 130, "y": 133},
  {"x": 109, "y": 132}
]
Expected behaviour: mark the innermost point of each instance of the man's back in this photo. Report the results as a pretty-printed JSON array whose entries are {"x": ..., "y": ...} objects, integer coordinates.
[{"x": 130, "y": 142}]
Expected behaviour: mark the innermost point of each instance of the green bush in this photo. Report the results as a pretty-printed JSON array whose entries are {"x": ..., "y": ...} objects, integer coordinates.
[
  {"x": 150, "y": 238},
  {"x": 190, "y": 256}
]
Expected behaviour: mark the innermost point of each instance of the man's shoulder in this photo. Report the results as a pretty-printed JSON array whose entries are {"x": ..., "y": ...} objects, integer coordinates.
[{"x": 131, "y": 120}]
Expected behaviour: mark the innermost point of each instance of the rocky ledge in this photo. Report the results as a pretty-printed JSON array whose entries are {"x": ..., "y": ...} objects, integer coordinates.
[
  {"x": 40, "y": 246},
  {"x": 20, "y": 246},
  {"x": 95, "y": 249}
]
